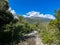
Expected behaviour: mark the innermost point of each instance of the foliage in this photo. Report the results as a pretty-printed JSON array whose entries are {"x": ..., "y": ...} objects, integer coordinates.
[
  {"x": 50, "y": 33},
  {"x": 12, "y": 29},
  {"x": 4, "y": 5}
]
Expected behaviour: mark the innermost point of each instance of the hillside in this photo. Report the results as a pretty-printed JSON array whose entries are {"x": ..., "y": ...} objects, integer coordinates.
[{"x": 37, "y": 19}]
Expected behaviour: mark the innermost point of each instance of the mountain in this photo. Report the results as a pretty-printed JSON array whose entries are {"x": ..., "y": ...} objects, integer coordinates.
[{"x": 35, "y": 19}]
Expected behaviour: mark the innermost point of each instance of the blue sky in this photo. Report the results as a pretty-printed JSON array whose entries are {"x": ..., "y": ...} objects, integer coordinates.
[{"x": 43, "y": 6}]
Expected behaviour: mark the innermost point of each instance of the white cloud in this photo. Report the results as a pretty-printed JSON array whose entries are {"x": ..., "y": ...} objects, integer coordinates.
[
  {"x": 12, "y": 11},
  {"x": 38, "y": 14},
  {"x": 16, "y": 17}
]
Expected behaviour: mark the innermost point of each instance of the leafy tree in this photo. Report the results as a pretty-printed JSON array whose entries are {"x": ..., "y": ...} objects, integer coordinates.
[
  {"x": 55, "y": 24},
  {"x": 50, "y": 32},
  {"x": 5, "y": 18},
  {"x": 4, "y": 5}
]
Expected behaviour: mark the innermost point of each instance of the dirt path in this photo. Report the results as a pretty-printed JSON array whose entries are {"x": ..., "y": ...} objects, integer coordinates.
[
  {"x": 38, "y": 40},
  {"x": 37, "y": 37}
]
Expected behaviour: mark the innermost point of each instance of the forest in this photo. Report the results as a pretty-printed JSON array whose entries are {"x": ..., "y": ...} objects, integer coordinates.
[{"x": 11, "y": 29}]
